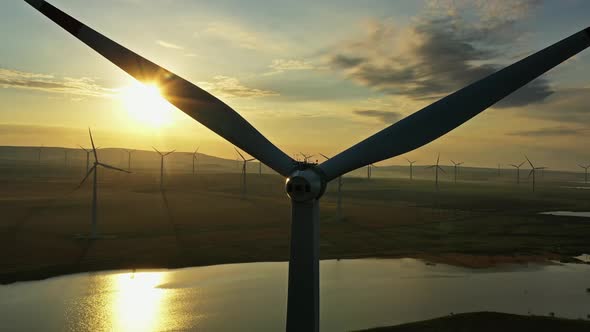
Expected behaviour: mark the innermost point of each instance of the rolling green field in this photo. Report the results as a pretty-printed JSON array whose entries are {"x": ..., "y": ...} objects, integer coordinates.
[{"x": 202, "y": 220}]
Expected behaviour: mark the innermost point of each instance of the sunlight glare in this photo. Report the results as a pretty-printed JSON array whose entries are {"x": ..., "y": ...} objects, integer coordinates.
[
  {"x": 137, "y": 302},
  {"x": 145, "y": 103}
]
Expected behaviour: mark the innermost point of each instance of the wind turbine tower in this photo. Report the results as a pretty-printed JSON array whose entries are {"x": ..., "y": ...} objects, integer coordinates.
[
  {"x": 411, "y": 168},
  {"x": 162, "y": 155},
  {"x": 339, "y": 197},
  {"x": 195, "y": 158},
  {"x": 244, "y": 163},
  {"x": 585, "y": 172},
  {"x": 456, "y": 168},
  {"x": 533, "y": 171},
  {"x": 129, "y": 152},
  {"x": 93, "y": 171},
  {"x": 436, "y": 169},
  {"x": 518, "y": 171}
]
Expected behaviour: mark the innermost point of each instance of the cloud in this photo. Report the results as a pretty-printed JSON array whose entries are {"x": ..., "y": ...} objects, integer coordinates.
[
  {"x": 282, "y": 65},
  {"x": 169, "y": 45},
  {"x": 387, "y": 117},
  {"x": 550, "y": 131},
  {"x": 438, "y": 53},
  {"x": 570, "y": 105},
  {"x": 231, "y": 87},
  {"x": 82, "y": 86},
  {"x": 234, "y": 34}
]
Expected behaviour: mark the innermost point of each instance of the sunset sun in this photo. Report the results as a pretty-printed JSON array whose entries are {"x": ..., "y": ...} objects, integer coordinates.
[{"x": 145, "y": 104}]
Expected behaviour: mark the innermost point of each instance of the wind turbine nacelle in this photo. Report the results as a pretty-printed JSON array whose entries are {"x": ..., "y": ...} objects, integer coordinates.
[{"x": 306, "y": 184}]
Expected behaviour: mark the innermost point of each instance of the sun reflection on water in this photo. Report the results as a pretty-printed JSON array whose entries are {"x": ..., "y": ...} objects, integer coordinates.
[{"x": 137, "y": 303}]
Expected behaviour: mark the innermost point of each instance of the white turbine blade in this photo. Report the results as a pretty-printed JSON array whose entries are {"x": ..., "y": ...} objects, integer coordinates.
[
  {"x": 514, "y": 166},
  {"x": 251, "y": 159},
  {"x": 531, "y": 172},
  {"x": 93, "y": 147},
  {"x": 453, "y": 162},
  {"x": 194, "y": 101},
  {"x": 441, "y": 169},
  {"x": 113, "y": 167},
  {"x": 81, "y": 147},
  {"x": 521, "y": 164},
  {"x": 323, "y": 155},
  {"x": 450, "y": 112},
  {"x": 86, "y": 177},
  {"x": 437, "y": 159},
  {"x": 160, "y": 153},
  {"x": 167, "y": 153}
]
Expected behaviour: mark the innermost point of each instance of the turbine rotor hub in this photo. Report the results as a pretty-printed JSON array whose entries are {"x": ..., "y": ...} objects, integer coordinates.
[{"x": 305, "y": 183}]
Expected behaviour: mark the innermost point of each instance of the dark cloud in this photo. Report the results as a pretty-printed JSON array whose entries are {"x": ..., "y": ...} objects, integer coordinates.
[
  {"x": 551, "y": 131},
  {"x": 436, "y": 56},
  {"x": 388, "y": 117}
]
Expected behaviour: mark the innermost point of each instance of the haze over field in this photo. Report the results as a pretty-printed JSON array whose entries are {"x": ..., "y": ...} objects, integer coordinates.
[{"x": 311, "y": 77}]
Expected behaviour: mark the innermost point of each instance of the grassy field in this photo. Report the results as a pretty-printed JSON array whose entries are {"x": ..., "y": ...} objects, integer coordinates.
[
  {"x": 491, "y": 322},
  {"x": 202, "y": 220}
]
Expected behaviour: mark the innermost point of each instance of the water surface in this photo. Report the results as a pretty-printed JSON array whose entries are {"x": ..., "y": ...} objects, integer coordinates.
[{"x": 355, "y": 294}]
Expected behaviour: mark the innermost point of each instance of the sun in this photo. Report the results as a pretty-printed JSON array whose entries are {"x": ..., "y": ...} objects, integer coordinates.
[{"x": 145, "y": 104}]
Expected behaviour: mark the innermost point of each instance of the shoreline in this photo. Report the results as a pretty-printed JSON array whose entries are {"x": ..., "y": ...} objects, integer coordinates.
[{"x": 469, "y": 261}]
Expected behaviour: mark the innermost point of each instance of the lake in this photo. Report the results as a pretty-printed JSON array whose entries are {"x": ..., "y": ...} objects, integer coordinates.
[{"x": 355, "y": 294}]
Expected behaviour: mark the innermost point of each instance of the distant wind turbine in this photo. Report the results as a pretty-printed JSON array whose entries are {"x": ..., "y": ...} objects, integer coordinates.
[
  {"x": 411, "y": 168},
  {"x": 195, "y": 158},
  {"x": 585, "y": 172},
  {"x": 87, "y": 156},
  {"x": 93, "y": 170},
  {"x": 456, "y": 167},
  {"x": 436, "y": 168},
  {"x": 162, "y": 155},
  {"x": 66, "y": 158},
  {"x": 129, "y": 152},
  {"x": 518, "y": 171},
  {"x": 339, "y": 197},
  {"x": 245, "y": 161},
  {"x": 370, "y": 170},
  {"x": 306, "y": 157},
  {"x": 533, "y": 171}
]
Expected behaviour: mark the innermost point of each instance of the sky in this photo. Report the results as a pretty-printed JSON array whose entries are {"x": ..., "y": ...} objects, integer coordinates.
[{"x": 311, "y": 76}]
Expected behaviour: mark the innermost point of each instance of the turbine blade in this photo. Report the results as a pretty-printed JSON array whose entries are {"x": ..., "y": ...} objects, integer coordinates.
[
  {"x": 453, "y": 162},
  {"x": 531, "y": 172},
  {"x": 521, "y": 164},
  {"x": 251, "y": 159},
  {"x": 93, "y": 147},
  {"x": 437, "y": 159},
  {"x": 429, "y": 167},
  {"x": 323, "y": 155},
  {"x": 86, "y": 177},
  {"x": 239, "y": 154},
  {"x": 441, "y": 169},
  {"x": 160, "y": 153},
  {"x": 194, "y": 101},
  {"x": 514, "y": 166},
  {"x": 113, "y": 167},
  {"x": 167, "y": 153},
  {"x": 527, "y": 159},
  {"x": 450, "y": 112},
  {"x": 81, "y": 147}
]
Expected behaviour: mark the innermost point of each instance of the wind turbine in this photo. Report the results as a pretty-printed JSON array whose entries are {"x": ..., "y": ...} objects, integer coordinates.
[
  {"x": 245, "y": 161},
  {"x": 518, "y": 171},
  {"x": 195, "y": 158},
  {"x": 87, "y": 156},
  {"x": 585, "y": 172},
  {"x": 411, "y": 168},
  {"x": 93, "y": 170},
  {"x": 306, "y": 157},
  {"x": 370, "y": 171},
  {"x": 66, "y": 158},
  {"x": 306, "y": 182},
  {"x": 339, "y": 197},
  {"x": 436, "y": 168},
  {"x": 162, "y": 155},
  {"x": 129, "y": 152},
  {"x": 456, "y": 167},
  {"x": 533, "y": 171}
]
